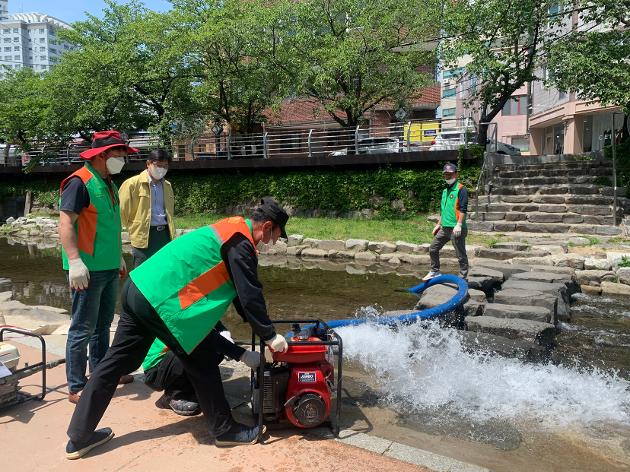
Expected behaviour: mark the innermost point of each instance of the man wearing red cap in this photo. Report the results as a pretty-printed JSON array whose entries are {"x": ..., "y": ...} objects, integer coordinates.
[{"x": 89, "y": 230}]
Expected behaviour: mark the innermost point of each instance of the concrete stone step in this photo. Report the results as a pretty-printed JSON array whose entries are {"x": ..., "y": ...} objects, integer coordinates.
[
  {"x": 513, "y": 328},
  {"x": 527, "y": 227},
  {"x": 541, "y": 217},
  {"x": 502, "y": 181},
  {"x": 592, "y": 210},
  {"x": 531, "y": 164},
  {"x": 595, "y": 171},
  {"x": 523, "y": 312},
  {"x": 563, "y": 190},
  {"x": 503, "y": 254},
  {"x": 593, "y": 200}
]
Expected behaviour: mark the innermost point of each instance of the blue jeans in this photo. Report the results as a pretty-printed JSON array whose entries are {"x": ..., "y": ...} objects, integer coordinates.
[{"x": 92, "y": 315}]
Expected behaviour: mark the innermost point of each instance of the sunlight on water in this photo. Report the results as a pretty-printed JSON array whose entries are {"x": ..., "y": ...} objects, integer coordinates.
[{"x": 423, "y": 367}]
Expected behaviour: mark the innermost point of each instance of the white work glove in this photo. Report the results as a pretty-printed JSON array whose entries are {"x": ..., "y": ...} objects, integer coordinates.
[
  {"x": 436, "y": 229},
  {"x": 277, "y": 344},
  {"x": 227, "y": 335},
  {"x": 251, "y": 359},
  {"x": 78, "y": 273},
  {"x": 457, "y": 230},
  {"x": 122, "y": 271}
]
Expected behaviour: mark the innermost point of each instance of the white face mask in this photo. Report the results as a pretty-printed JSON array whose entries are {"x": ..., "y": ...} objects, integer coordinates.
[
  {"x": 158, "y": 173},
  {"x": 115, "y": 164},
  {"x": 450, "y": 181}
]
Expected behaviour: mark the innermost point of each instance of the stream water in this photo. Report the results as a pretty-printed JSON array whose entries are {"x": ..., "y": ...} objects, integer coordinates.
[{"x": 419, "y": 385}]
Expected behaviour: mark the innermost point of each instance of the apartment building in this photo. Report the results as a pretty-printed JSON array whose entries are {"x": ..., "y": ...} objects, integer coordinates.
[{"x": 29, "y": 40}]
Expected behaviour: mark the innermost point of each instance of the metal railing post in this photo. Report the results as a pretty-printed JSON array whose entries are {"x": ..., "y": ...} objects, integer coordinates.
[
  {"x": 408, "y": 139},
  {"x": 614, "y": 169},
  {"x": 356, "y": 140},
  {"x": 266, "y": 145},
  {"x": 310, "y": 150},
  {"x": 228, "y": 139}
]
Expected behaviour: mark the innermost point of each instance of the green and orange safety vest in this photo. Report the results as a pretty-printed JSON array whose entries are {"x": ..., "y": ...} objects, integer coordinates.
[
  {"x": 188, "y": 284},
  {"x": 449, "y": 208},
  {"x": 98, "y": 226}
]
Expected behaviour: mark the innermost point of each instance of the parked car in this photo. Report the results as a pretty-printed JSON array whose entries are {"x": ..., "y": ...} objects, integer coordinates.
[
  {"x": 448, "y": 141},
  {"x": 373, "y": 145}
]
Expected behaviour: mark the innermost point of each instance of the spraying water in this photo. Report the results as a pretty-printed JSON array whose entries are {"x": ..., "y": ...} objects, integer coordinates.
[{"x": 423, "y": 367}]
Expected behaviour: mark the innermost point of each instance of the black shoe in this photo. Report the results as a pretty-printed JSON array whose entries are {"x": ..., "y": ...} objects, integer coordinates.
[
  {"x": 239, "y": 434},
  {"x": 181, "y": 407},
  {"x": 100, "y": 436}
]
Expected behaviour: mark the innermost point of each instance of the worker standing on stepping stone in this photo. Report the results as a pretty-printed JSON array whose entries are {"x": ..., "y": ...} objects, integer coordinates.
[{"x": 452, "y": 223}]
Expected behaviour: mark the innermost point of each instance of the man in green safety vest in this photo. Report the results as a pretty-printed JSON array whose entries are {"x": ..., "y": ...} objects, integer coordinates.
[
  {"x": 89, "y": 231},
  {"x": 177, "y": 296},
  {"x": 452, "y": 223}
]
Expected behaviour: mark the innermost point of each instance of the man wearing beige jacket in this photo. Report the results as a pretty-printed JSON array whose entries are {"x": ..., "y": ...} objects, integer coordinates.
[{"x": 147, "y": 205}]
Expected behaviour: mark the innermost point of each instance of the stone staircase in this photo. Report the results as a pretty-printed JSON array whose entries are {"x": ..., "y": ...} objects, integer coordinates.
[{"x": 548, "y": 194}]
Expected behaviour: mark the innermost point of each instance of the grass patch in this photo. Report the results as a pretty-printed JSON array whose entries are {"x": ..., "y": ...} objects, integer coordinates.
[
  {"x": 414, "y": 230},
  {"x": 624, "y": 262},
  {"x": 618, "y": 240}
]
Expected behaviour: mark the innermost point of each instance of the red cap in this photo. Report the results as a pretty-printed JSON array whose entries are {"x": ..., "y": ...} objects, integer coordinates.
[{"x": 104, "y": 140}]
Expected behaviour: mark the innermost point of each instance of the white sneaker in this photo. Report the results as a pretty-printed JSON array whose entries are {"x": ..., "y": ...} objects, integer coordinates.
[{"x": 431, "y": 275}]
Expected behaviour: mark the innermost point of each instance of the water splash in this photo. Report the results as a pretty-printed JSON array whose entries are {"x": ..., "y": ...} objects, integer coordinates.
[{"x": 424, "y": 367}]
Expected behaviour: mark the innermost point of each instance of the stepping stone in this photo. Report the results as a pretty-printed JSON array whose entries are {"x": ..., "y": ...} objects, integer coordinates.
[
  {"x": 558, "y": 290},
  {"x": 531, "y": 298},
  {"x": 474, "y": 341},
  {"x": 513, "y": 328},
  {"x": 548, "y": 277},
  {"x": 438, "y": 294},
  {"x": 484, "y": 279},
  {"x": 505, "y": 268},
  {"x": 523, "y": 312}
]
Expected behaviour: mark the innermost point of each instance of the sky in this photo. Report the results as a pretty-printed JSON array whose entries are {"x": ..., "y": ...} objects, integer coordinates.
[{"x": 73, "y": 10}]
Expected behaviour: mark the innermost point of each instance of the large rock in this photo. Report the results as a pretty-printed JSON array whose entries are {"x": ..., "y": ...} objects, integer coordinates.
[
  {"x": 381, "y": 247},
  {"x": 533, "y": 298},
  {"x": 417, "y": 259},
  {"x": 505, "y": 268},
  {"x": 575, "y": 261},
  {"x": 39, "y": 319},
  {"x": 623, "y": 274},
  {"x": 484, "y": 279},
  {"x": 548, "y": 277},
  {"x": 593, "y": 277},
  {"x": 6, "y": 296},
  {"x": 356, "y": 244},
  {"x": 513, "y": 328},
  {"x": 592, "y": 263},
  {"x": 523, "y": 312},
  {"x": 612, "y": 288},
  {"x": 408, "y": 248},
  {"x": 558, "y": 290},
  {"x": 366, "y": 256},
  {"x": 295, "y": 240},
  {"x": 525, "y": 350},
  {"x": 542, "y": 261},
  {"x": 331, "y": 245},
  {"x": 438, "y": 294},
  {"x": 616, "y": 257},
  {"x": 313, "y": 252}
]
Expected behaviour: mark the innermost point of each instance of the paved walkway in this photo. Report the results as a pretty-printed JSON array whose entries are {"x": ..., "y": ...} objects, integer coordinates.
[{"x": 32, "y": 437}]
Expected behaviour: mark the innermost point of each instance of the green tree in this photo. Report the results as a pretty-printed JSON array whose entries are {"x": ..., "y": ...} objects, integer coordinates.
[
  {"x": 505, "y": 43},
  {"x": 227, "y": 46},
  {"x": 127, "y": 72},
  {"x": 593, "y": 59},
  {"x": 24, "y": 108},
  {"x": 352, "y": 55}
]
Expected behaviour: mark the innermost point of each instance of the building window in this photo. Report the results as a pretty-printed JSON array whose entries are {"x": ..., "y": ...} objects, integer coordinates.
[
  {"x": 42, "y": 48},
  {"x": 515, "y": 106},
  {"x": 16, "y": 40},
  {"x": 7, "y": 40},
  {"x": 521, "y": 142},
  {"x": 15, "y": 30},
  {"x": 449, "y": 92},
  {"x": 17, "y": 58},
  {"x": 7, "y": 49},
  {"x": 16, "y": 48},
  {"x": 6, "y": 30},
  {"x": 7, "y": 58},
  {"x": 587, "y": 134},
  {"x": 448, "y": 112},
  {"x": 41, "y": 31},
  {"x": 42, "y": 40},
  {"x": 42, "y": 58}
]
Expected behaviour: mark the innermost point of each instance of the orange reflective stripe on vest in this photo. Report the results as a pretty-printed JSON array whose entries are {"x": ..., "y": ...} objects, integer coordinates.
[
  {"x": 86, "y": 221},
  {"x": 212, "y": 279}
]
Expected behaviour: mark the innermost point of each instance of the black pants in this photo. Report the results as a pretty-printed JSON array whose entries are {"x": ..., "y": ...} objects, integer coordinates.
[
  {"x": 138, "y": 327},
  {"x": 157, "y": 240},
  {"x": 169, "y": 375}
]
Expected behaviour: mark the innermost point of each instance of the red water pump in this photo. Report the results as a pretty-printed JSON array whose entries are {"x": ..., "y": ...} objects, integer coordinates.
[{"x": 300, "y": 384}]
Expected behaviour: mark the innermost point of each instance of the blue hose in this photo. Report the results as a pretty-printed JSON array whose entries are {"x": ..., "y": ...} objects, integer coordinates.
[{"x": 457, "y": 300}]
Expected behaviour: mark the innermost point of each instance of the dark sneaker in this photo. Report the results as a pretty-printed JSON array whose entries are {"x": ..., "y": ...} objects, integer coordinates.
[
  {"x": 181, "y": 407},
  {"x": 239, "y": 434},
  {"x": 100, "y": 436}
]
